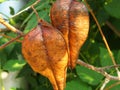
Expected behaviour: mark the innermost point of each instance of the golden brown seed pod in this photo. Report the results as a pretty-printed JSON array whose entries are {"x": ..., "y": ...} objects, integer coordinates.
[
  {"x": 45, "y": 50},
  {"x": 72, "y": 19}
]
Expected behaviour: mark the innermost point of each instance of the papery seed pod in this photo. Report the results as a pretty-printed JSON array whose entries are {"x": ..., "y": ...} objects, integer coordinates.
[
  {"x": 45, "y": 50},
  {"x": 72, "y": 19}
]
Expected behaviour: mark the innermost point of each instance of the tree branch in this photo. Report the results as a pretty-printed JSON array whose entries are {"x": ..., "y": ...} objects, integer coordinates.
[
  {"x": 11, "y": 41},
  {"x": 105, "y": 83},
  {"x": 99, "y": 70},
  {"x": 10, "y": 27},
  {"x": 9, "y": 37}
]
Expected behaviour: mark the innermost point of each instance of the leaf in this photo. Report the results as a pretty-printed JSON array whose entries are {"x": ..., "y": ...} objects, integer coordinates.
[
  {"x": 105, "y": 57},
  {"x": 12, "y": 12},
  {"x": 116, "y": 87},
  {"x": 31, "y": 24},
  {"x": 102, "y": 16},
  {"x": 77, "y": 84},
  {"x": 14, "y": 65},
  {"x": 25, "y": 71},
  {"x": 113, "y": 8},
  {"x": 117, "y": 56},
  {"x": 116, "y": 23},
  {"x": 3, "y": 57},
  {"x": 89, "y": 76},
  {"x": 43, "y": 10}
]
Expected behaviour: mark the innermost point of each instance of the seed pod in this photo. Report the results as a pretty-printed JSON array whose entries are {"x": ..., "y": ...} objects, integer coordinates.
[
  {"x": 45, "y": 50},
  {"x": 72, "y": 19}
]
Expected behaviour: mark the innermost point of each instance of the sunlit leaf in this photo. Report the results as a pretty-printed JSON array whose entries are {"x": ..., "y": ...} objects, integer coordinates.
[
  {"x": 89, "y": 76},
  {"x": 105, "y": 57},
  {"x": 77, "y": 84},
  {"x": 14, "y": 65}
]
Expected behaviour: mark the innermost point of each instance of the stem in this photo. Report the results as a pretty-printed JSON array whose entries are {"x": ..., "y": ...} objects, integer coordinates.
[
  {"x": 11, "y": 41},
  {"x": 10, "y": 37},
  {"x": 105, "y": 83},
  {"x": 2, "y": 21}
]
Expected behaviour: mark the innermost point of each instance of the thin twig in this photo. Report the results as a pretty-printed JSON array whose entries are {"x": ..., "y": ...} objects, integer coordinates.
[
  {"x": 112, "y": 66},
  {"x": 104, "y": 39},
  {"x": 37, "y": 15},
  {"x": 99, "y": 70},
  {"x": 113, "y": 28},
  {"x": 9, "y": 37},
  {"x": 105, "y": 83},
  {"x": 25, "y": 9},
  {"x": 11, "y": 41},
  {"x": 10, "y": 27}
]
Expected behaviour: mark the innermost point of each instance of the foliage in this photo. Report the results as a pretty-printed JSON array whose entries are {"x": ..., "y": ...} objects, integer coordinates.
[{"x": 93, "y": 51}]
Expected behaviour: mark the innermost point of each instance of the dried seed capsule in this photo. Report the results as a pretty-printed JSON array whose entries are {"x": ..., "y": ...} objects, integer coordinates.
[
  {"x": 45, "y": 50},
  {"x": 72, "y": 19}
]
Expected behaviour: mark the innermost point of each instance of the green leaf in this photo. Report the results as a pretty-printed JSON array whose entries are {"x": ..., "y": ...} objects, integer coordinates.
[
  {"x": 89, "y": 76},
  {"x": 102, "y": 16},
  {"x": 31, "y": 24},
  {"x": 116, "y": 87},
  {"x": 116, "y": 23},
  {"x": 113, "y": 8},
  {"x": 12, "y": 12},
  {"x": 77, "y": 84},
  {"x": 105, "y": 57},
  {"x": 3, "y": 57},
  {"x": 118, "y": 57},
  {"x": 14, "y": 65}
]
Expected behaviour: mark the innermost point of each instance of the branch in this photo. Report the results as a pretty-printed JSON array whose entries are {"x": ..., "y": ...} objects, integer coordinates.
[
  {"x": 9, "y": 37},
  {"x": 99, "y": 70},
  {"x": 104, "y": 39},
  {"x": 11, "y": 41},
  {"x": 105, "y": 83},
  {"x": 10, "y": 27}
]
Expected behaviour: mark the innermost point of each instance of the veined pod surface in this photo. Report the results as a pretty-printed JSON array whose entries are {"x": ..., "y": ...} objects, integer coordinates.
[
  {"x": 72, "y": 19},
  {"x": 45, "y": 50}
]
